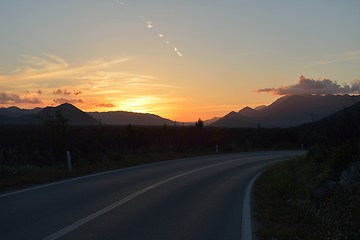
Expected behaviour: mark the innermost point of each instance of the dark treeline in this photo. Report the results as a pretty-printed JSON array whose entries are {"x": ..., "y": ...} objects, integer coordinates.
[{"x": 46, "y": 145}]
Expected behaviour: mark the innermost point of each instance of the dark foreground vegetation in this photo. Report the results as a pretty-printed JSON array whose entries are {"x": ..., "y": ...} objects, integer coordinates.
[
  {"x": 318, "y": 196},
  {"x": 31, "y": 154},
  {"x": 301, "y": 199}
]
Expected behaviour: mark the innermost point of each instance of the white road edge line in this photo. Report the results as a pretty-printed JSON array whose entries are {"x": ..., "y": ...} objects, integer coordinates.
[
  {"x": 246, "y": 229},
  {"x": 246, "y": 226},
  {"x": 87, "y": 219}
]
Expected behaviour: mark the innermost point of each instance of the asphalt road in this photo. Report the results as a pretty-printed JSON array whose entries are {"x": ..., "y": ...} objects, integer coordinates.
[{"x": 194, "y": 198}]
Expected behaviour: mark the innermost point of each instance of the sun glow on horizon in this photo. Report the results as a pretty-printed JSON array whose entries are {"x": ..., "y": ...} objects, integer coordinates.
[
  {"x": 95, "y": 85},
  {"x": 139, "y": 104}
]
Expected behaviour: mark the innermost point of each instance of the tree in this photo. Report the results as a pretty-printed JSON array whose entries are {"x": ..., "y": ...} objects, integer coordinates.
[
  {"x": 58, "y": 132},
  {"x": 199, "y": 123}
]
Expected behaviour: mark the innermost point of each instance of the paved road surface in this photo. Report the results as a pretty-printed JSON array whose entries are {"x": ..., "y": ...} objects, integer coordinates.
[{"x": 194, "y": 198}]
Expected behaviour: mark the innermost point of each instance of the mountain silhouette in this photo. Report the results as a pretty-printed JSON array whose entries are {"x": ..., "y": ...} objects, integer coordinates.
[
  {"x": 288, "y": 111},
  {"x": 247, "y": 111},
  {"x": 17, "y": 112},
  {"x": 75, "y": 116},
  {"x": 208, "y": 122},
  {"x": 340, "y": 127},
  {"x": 126, "y": 118},
  {"x": 15, "y": 115},
  {"x": 72, "y": 114}
]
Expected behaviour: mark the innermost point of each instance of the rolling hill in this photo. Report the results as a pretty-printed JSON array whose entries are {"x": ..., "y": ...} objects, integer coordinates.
[
  {"x": 75, "y": 116},
  {"x": 126, "y": 118},
  {"x": 17, "y": 112}
]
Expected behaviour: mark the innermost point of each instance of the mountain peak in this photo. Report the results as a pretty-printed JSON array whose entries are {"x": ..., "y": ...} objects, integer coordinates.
[
  {"x": 260, "y": 107},
  {"x": 246, "y": 111},
  {"x": 231, "y": 114},
  {"x": 67, "y": 106},
  {"x": 14, "y": 108},
  {"x": 74, "y": 115}
]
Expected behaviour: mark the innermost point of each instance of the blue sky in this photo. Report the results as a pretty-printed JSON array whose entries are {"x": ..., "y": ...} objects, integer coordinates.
[{"x": 179, "y": 59}]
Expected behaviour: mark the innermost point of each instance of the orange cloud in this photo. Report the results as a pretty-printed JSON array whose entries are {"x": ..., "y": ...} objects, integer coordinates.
[
  {"x": 61, "y": 92},
  {"x": 6, "y": 98},
  {"x": 105, "y": 105},
  {"x": 311, "y": 86},
  {"x": 100, "y": 83},
  {"x": 66, "y": 100},
  {"x": 66, "y": 92}
]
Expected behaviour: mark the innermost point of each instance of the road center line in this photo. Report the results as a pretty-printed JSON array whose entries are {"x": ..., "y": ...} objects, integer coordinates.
[
  {"x": 87, "y": 219},
  {"x": 94, "y": 215}
]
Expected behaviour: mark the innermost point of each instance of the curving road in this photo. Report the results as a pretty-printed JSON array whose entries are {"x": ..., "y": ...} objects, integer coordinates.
[{"x": 194, "y": 198}]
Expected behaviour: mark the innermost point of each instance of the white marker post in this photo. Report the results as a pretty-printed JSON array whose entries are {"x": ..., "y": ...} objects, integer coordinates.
[{"x": 68, "y": 156}]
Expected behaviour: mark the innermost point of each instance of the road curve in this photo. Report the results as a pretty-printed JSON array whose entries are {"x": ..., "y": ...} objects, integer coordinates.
[{"x": 193, "y": 198}]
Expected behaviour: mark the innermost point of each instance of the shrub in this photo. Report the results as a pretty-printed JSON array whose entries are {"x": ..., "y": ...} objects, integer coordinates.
[{"x": 340, "y": 159}]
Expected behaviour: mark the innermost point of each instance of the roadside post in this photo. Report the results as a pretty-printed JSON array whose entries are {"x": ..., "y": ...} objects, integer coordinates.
[{"x": 68, "y": 156}]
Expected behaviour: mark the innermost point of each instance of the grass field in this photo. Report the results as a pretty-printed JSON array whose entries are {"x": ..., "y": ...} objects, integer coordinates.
[{"x": 288, "y": 204}]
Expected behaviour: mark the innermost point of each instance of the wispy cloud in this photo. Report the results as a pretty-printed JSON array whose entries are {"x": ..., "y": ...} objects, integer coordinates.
[
  {"x": 312, "y": 86},
  {"x": 101, "y": 83},
  {"x": 342, "y": 57},
  {"x": 51, "y": 67},
  {"x": 105, "y": 105},
  {"x": 122, "y": 4}
]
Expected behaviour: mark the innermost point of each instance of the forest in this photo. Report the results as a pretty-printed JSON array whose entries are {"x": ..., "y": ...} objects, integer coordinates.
[
  {"x": 28, "y": 150},
  {"x": 46, "y": 145}
]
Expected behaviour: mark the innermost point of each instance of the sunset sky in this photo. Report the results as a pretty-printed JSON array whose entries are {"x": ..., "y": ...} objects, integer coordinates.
[{"x": 178, "y": 59}]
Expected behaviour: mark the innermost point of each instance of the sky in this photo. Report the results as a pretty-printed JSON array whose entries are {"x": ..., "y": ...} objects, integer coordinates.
[{"x": 182, "y": 60}]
